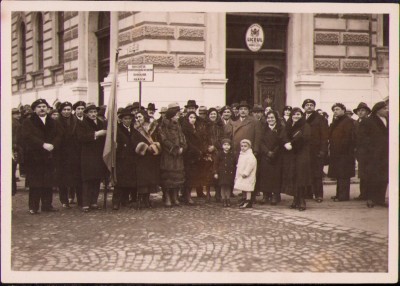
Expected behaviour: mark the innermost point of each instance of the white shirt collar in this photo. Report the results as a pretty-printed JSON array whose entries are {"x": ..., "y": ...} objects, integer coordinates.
[
  {"x": 383, "y": 120},
  {"x": 43, "y": 119}
]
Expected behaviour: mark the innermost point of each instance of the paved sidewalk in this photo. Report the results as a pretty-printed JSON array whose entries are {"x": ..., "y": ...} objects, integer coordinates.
[{"x": 327, "y": 237}]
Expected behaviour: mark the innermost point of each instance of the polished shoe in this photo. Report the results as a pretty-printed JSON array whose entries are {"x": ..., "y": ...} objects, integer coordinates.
[
  {"x": 228, "y": 203},
  {"x": 247, "y": 204},
  {"x": 370, "y": 204},
  {"x": 95, "y": 207},
  {"x": 32, "y": 212},
  {"x": 302, "y": 208},
  {"x": 318, "y": 200},
  {"x": 293, "y": 205},
  {"x": 66, "y": 206},
  {"x": 335, "y": 198},
  {"x": 224, "y": 203},
  {"x": 85, "y": 209},
  {"x": 241, "y": 202},
  {"x": 274, "y": 200}
]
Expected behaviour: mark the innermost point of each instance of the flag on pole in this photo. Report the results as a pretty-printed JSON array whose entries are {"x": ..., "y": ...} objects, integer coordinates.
[{"x": 110, "y": 147}]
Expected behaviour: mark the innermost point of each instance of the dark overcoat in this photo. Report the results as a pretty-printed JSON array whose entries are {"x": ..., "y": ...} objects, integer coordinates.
[
  {"x": 228, "y": 128},
  {"x": 270, "y": 165},
  {"x": 172, "y": 165},
  {"x": 341, "y": 148},
  {"x": 318, "y": 142},
  {"x": 375, "y": 145},
  {"x": 194, "y": 158},
  {"x": 147, "y": 165},
  {"x": 296, "y": 171},
  {"x": 360, "y": 150},
  {"x": 40, "y": 164},
  {"x": 92, "y": 164},
  {"x": 68, "y": 155},
  {"x": 250, "y": 129},
  {"x": 126, "y": 157},
  {"x": 225, "y": 167}
]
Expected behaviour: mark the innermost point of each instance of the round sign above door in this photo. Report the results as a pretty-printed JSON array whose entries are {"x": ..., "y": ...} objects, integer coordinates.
[{"x": 255, "y": 37}]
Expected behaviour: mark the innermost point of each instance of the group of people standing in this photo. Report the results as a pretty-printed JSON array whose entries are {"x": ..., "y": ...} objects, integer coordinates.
[{"x": 227, "y": 149}]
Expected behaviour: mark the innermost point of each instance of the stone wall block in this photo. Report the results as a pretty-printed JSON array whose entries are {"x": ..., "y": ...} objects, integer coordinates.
[
  {"x": 326, "y": 64},
  {"x": 327, "y": 38},
  {"x": 191, "y": 61},
  {"x": 357, "y": 25},
  {"x": 187, "y": 18},
  {"x": 191, "y": 34},
  {"x": 355, "y": 39},
  {"x": 357, "y": 52},
  {"x": 124, "y": 38},
  {"x": 329, "y": 51},
  {"x": 71, "y": 75},
  {"x": 153, "y": 32},
  {"x": 330, "y": 24},
  {"x": 355, "y": 65}
]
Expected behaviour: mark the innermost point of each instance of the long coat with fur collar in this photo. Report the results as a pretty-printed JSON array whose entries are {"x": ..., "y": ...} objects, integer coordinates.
[
  {"x": 40, "y": 164},
  {"x": 296, "y": 171}
]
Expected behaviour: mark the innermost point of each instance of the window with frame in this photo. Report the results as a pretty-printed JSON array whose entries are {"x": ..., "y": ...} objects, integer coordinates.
[
  {"x": 60, "y": 37},
  {"x": 39, "y": 41},
  {"x": 22, "y": 49}
]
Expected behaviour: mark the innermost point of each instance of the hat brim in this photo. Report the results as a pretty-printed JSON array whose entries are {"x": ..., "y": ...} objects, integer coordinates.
[
  {"x": 243, "y": 105},
  {"x": 357, "y": 109},
  {"x": 122, "y": 115},
  {"x": 196, "y": 106}
]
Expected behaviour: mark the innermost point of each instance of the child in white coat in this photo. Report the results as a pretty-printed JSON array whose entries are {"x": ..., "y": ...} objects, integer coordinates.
[{"x": 245, "y": 178}]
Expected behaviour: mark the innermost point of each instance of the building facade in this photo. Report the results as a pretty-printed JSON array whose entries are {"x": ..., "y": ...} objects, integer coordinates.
[{"x": 203, "y": 56}]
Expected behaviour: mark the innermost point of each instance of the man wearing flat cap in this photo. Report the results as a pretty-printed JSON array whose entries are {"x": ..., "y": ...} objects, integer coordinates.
[
  {"x": 42, "y": 137},
  {"x": 318, "y": 147},
  {"x": 341, "y": 152},
  {"x": 68, "y": 169},
  {"x": 91, "y": 134},
  {"x": 362, "y": 112},
  {"x": 374, "y": 132}
]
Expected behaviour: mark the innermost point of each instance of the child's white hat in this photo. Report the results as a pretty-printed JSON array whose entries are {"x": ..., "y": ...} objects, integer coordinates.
[{"x": 246, "y": 141}]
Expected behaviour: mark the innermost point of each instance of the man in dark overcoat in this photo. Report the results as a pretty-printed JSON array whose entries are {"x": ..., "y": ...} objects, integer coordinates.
[
  {"x": 362, "y": 112},
  {"x": 42, "y": 137},
  {"x": 125, "y": 165},
  {"x": 91, "y": 135},
  {"x": 341, "y": 152},
  {"x": 318, "y": 147},
  {"x": 68, "y": 167},
  {"x": 375, "y": 134},
  {"x": 246, "y": 127}
]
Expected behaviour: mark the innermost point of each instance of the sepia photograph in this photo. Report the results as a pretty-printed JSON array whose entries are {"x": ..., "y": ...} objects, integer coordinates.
[{"x": 199, "y": 142}]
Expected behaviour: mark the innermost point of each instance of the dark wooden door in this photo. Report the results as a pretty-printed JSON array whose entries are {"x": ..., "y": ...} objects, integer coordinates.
[{"x": 103, "y": 50}]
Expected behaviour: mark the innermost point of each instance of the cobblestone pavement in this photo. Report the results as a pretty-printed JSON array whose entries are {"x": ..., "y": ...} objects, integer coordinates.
[{"x": 205, "y": 237}]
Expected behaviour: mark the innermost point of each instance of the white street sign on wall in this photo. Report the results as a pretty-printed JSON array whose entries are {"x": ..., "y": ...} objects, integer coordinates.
[{"x": 138, "y": 73}]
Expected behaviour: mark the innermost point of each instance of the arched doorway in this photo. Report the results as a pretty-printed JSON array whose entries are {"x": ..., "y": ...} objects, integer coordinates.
[{"x": 103, "y": 50}]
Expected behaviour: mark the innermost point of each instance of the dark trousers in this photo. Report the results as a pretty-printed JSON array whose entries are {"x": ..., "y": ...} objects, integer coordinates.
[
  {"x": 40, "y": 194},
  {"x": 376, "y": 191},
  {"x": 133, "y": 195},
  {"x": 343, "y": 189},
  {"x": 90, "y": 192},
  {"x": 14, "y": 178},
  {"x": 363, "y": 188},
  {"x": 317, "y": 187},
  {"x": 121, "y": 196},
  {"x": 76, "y": 191}
]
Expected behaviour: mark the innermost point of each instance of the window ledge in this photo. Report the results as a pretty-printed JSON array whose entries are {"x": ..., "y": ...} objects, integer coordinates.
[
  {"x": 56, "y": 67},
  {"x": 37, "y": 73},
  {"x": 20, "y": 77}
]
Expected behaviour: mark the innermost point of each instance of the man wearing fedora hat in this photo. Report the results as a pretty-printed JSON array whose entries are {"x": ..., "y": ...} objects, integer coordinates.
[
  {"x": 258, "y": 112},
  {"x": 362, "y": 112},
  {"x": 374, "y": 132},
  {"x": 246, "y": 127},
  {"x": 318, "y": 148},
  {"x": 42, "y": 137},
  {"x": 151, "y": 110},
  {"x": 91, "y": 134}
]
